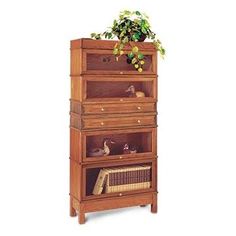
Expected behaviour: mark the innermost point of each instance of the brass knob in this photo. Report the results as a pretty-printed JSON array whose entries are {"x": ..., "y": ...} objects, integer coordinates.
[
  {"x": 139, "y": 108},
  {"x": 121, "y": 157},
  {"x": 121, "y": 72},
  {"x": 120, "y": 194},
  {"x": 102, "y": 123},
  {"x": 139, "y": 121},
  {"x": 121, "y": 100},
  {"x": 102, "y": 109}
]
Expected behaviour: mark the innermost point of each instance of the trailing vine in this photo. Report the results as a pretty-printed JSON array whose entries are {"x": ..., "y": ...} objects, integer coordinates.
[{"x": 129, "y": 28}]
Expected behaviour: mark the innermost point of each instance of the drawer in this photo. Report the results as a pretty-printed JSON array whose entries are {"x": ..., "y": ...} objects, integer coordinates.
[
  {"x": 113, "y": 121},
  {"x": 118, "y": 108},
  {"x": 117, "y": 122}
]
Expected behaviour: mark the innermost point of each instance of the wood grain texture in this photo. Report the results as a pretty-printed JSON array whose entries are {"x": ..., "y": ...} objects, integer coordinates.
[
  {"x": 107, "y": 44},
  {"x": 113, "y": 121},
  {"x": 116, "y": 202},
  {"x": 100, "y": 108},
  {"x": 116, "y": 108},
  {"x": 72, "y": 209},
  {"x": 95, "y": 61},
  {"x": 154, "y": 203},
  {"x": 76, "y": 62},
  {"x": 75, "y": 145},
  {"x": 75, "y": 180}
]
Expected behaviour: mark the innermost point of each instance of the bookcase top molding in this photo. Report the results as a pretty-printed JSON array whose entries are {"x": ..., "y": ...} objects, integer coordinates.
[{"x": 86, "y": 43}]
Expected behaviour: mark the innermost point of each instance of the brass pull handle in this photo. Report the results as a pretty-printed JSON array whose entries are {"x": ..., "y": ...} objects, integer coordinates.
[
  {"x": 121, "y": 157},
  {"x": 102, "y": 123},
  {"x": 120, "y": 194},
  {"x": 121, "y": 72},
  {"x": 121, "y": 99},
  {"x": 139, "y": 121},
  {"x": 102, "y": 109},
  {"x": 139, "y": 108}
]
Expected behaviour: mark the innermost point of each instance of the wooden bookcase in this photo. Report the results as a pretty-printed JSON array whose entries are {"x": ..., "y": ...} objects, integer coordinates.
[{"x": 99, "y": 109}]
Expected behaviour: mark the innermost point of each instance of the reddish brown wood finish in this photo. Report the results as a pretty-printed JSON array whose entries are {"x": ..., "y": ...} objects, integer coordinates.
[
  {"x": 111, "y": 121},
  {"x": 100, "y": 108},
  {"x": 106, "y": 44}
]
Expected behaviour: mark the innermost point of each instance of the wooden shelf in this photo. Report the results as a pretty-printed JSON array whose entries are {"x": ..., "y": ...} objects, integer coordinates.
[{"x": 111, "y": 130}]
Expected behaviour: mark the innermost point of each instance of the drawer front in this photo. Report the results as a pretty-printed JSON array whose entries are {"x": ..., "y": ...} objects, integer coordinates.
[
  {"x": 118, "y": 108},
  {"x": 101, "y": 123}
]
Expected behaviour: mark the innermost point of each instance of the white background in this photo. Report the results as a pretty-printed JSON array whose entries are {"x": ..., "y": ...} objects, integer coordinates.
[{"x": 197, "y": 131}]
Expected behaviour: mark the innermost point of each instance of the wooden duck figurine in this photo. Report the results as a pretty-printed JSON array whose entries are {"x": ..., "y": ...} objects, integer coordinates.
[
  {"x": 133, "y": 93},
  {"x": 99, "y": 152}
]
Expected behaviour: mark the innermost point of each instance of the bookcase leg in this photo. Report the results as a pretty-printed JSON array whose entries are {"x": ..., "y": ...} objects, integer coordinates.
[
  {"x": 72, "y": 210},
  {"x": 154, "y": 204},
  {"x": 81, "y": 217},
  {"x": 154, "y": 208},
  {"x": 143, "y": 205}
]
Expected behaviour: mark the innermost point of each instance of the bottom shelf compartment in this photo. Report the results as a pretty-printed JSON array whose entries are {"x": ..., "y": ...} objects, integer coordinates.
[{"x": 118, "y": 180}]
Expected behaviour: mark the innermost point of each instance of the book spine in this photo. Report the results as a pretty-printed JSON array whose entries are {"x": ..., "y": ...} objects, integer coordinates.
[
  {"x": 126, "y": 178},
  {"x": 119, "y": 177},
  {"x": 98, "y": 187}
]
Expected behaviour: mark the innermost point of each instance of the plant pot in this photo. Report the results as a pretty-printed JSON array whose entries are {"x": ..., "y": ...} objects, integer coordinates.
[{"x": 143, "y": 37}]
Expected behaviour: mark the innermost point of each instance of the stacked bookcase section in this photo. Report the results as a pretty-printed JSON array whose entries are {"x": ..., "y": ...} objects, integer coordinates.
[{"x": 113, "y": 133}]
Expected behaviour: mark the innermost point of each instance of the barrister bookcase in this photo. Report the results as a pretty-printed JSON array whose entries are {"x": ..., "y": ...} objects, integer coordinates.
[{"x": 101, "y": 109}]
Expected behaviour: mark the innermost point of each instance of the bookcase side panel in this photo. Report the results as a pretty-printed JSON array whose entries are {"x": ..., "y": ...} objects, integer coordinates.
[
  {"x": 76, "y": 62},
  {"x": 75, "y": 145},
  {"x": 76, "y": 88},
  {"x": 75, "y": 180}
]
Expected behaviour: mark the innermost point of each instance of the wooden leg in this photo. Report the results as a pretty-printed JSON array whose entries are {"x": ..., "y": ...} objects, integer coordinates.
[
  {"x": 143, "y": 205},
  {"x": 72, "y": 210},
  {"x": 154, "y": 208},
  {"x": 154, "y": 204},
  {"x": 81, "y": 217}
]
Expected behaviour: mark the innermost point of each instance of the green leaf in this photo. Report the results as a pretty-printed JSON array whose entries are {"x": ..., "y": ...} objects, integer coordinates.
[
  {"x": 152, "y": 36},
  {"x": 122, "y": 34},
  {"x": 127, "y": 12},
  {"x": 125, "y": 40},
  {"x": 115, "y": 51},
  {"x": 130, "y": 55},
  {"x": 109, "y": 35},
  {"x": 144, "y": 30},
  {"x": 140, "y": 56},
  {"x": 127, "y": 23},
  {"x": 96, "y": 36},
  {"x": 137, "y": 36},
  {"x": 162, "y": 51},
  {"x": 134, "y": 37},
  {"x": 138, "y": 13},
  {"x": 121, "y": 46},
  {"x": 121, "y": 17}
]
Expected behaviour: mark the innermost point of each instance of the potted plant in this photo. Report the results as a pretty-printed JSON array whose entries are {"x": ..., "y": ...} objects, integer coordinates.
[{"x": 131, "y": 27}]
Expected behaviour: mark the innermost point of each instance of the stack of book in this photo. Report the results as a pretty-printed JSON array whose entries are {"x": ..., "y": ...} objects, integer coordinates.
[{"x": 111, "y": 180}]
